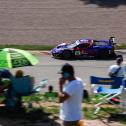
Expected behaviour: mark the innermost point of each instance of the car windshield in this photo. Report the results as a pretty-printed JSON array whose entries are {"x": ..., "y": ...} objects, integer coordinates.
[
  {"x": 101, "y": 43},
  {"x": 74, "y": 44}
]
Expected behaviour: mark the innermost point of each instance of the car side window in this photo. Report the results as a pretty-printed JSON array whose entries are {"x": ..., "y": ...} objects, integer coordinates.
[
  {"x": 100, "y": 43},
  {"x": 80, "y": 46},
  {"x": 84, "y": 45}
]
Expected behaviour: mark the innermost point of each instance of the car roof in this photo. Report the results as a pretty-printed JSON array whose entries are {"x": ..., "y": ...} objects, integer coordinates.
[
  {"x": 85, "y": 40},
  {"x": 103, "y": 40},
  {"x": 80, "y": 41}
]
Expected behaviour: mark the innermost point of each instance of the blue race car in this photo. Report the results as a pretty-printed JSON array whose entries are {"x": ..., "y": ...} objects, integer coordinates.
[{"x": 85, "y": 48}]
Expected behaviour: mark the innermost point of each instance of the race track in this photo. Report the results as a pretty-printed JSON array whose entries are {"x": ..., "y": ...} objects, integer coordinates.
[
  {"x": 49, "y": 67},
  {"x": 56, "y": 21}
]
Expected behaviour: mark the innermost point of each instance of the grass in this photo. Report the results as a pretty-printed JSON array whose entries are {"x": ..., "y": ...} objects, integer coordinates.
[
  {"x": 45, "y": 47},
  {"x": 28, "y": 47},
  {"x": 120, "y": 46},
  {"x": 106, "y": 112},
  {"x": 52, "y": 108}
]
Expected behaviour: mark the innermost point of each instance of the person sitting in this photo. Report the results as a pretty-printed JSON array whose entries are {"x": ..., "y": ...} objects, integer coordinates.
[
  {"x": 4, "y": 80},
  {"x": 116, "y": 70},
  {"x": 5, "y": 73},
  {"x": 51, "y": 94},
  {"x": 19, "y": 73},
  {"x": 50, "y": 89},
  {"x": 21, "y": 85}
]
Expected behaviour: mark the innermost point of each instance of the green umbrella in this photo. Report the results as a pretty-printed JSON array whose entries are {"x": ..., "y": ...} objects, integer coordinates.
[{"x": 12, "y": 58}]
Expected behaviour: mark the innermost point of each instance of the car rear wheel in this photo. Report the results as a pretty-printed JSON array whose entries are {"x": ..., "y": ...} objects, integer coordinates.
[
  {"x": 113, "y": 55},
  {"x": 66, "y": 54},
  {"x": 103, "y": 54}
]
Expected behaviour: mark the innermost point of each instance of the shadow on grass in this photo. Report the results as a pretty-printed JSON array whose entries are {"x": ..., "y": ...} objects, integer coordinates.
[
  {"x": 108, "y": 113},
  {"x": 117, "y": 117},
  {"x": 105, "y": 3},
  {"x": 22, "y": 117}
]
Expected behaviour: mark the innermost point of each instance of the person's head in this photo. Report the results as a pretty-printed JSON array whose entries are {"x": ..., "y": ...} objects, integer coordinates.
[
  {"x": 50, "y": 88},
  {"x": 119, "y": 60},
  {"x": 19, "y": 73},
  {"x": 111, "y": 37},
  {"x": 67, "y": 71},
  {"x": 5, "y": 73}
]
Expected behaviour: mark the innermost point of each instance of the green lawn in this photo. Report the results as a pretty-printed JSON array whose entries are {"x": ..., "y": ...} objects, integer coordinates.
[
  {"x": 51, "y": 106},
  {"x": 107, "y": 111},
  {"x": 29, "y": 47}
]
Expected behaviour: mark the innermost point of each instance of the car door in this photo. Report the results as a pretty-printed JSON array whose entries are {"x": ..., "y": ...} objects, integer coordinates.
[{"x": 81, "y": 49}]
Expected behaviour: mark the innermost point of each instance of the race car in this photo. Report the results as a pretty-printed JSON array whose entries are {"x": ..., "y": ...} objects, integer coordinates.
[{"x": 85, "y": 48}]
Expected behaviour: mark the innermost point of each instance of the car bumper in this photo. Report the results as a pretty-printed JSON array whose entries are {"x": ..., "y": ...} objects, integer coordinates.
[{"x": 56, "y": 55}]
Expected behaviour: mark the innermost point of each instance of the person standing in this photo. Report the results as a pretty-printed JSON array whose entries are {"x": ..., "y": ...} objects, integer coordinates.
[{"x": 70, "y": 96}]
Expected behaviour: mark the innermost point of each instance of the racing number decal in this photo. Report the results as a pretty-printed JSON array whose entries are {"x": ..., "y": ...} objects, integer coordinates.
[{"x": 77, "y": 52}]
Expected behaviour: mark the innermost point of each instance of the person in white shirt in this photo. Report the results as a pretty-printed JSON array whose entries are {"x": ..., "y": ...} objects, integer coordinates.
[
  {"x": 70, "y": 96},
  {"x": 117, "y": 69}
]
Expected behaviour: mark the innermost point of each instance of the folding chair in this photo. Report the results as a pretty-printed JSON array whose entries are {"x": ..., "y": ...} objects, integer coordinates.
[
  {"x": 123, "y": 96},
  {"x": 22, "y": 86},
  {"x": 102, "y": 88}
]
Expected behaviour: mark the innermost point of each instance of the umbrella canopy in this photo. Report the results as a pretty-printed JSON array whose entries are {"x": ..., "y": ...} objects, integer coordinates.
[{"x": 12, "y": 58}]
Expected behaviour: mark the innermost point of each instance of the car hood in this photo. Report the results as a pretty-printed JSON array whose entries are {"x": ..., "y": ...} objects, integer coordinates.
[
  {"x": 59, "y": 48},
  {"x": 62, "y": 45}
]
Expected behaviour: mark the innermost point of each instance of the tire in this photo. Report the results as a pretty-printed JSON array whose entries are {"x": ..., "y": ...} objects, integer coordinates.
[
  {"x": 103, "y": 54},
  {"x": 113, "y": 55},
  {"x": 66, "y": 54}
]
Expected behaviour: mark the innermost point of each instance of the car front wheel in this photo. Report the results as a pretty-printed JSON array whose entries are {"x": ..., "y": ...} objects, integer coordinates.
[{"x": 66, "y": 55}]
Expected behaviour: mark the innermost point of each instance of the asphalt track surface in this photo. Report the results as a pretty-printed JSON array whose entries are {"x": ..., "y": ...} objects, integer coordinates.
[
  {"x": 48, "y": 68},
  {"x": 56, "y": 21}
]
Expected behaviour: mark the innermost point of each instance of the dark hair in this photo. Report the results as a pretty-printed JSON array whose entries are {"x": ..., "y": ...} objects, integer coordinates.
[
  {"x": 111, "y": 37},
  {"x": 67, "y": 68},
  {"x": 50, "y": 88},
  {"x": 19, "y": 73},
  {"x": 4, "y": 73},
  {"x": 119, "y": 60}
]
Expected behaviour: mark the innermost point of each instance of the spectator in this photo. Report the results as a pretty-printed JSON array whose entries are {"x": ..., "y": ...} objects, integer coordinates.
[
  {"x": 116, "y": 70},
  {"x": 18, "y": 97},
  {"x": 19, "y": 73},
  {"x": 51, "y": 95},
  {"x": 70, "y": 96},
  {"x": 50, "y": 89},
  {"x": 3, "y": 85},
  {"x": 4, "y": 80},
  {"x": 14, "y": 97}
]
